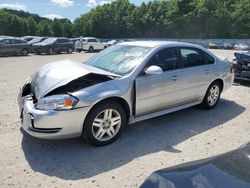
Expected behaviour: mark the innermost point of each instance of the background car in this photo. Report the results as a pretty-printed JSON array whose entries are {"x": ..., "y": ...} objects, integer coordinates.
[
  {"x": 227, "y": 45},
  {"x": 89, "y": 44},
  {"x": 53, "y": 45},
  {"x": 241, "y": 46},
  {"x": 214, "y": 45},
  {"x": 14, "y": 46},
  {"x": 37, "y": 40},
  {"x": 242, "y": 65}
]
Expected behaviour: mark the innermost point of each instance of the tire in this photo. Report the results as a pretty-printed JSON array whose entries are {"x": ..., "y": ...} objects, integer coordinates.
[
  {"x": 25, "y": 52},
  {"x": 91, "y": 49},
  {"x": 103, "y": 132},
  {"x": 212, "y": 96},
  {"x": 105, "y": 47},
  {"x": 50, "y": 51},
  {"x": 70, "y": 50}
]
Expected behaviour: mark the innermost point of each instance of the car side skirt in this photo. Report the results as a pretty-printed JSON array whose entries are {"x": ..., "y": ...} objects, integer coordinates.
[{"x": 162, "y": 112}]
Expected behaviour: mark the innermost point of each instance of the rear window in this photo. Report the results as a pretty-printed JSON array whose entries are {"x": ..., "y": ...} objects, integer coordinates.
[{"x": 191, "y": 57}]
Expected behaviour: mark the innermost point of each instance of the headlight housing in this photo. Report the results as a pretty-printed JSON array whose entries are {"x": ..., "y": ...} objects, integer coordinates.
[{"x": 57, "y": 102}]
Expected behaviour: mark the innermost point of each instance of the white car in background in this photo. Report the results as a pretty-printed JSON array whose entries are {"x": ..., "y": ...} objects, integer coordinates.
[
  {"x": 241, "y": 46},
  {"x": 89, "y": 44}
]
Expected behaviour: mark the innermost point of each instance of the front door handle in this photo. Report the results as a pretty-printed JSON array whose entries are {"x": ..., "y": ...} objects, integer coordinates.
[{"x": 174, "y": 78}]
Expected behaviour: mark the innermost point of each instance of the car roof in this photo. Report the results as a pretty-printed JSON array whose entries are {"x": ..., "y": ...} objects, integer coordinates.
[
  {"x": 89, "y": 38},
  {"x": 154, "y": 44}
]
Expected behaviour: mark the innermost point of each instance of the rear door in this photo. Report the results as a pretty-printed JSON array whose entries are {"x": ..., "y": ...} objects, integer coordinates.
[
  {"x": 19, "y": 45},
  {"x": 60, "y": 45},
  {"x": 99, "y": 44},
  {"x": 196, "y": 71},
  {"x": 93, "y": 43},
  {"x": 162, "y": 91}
]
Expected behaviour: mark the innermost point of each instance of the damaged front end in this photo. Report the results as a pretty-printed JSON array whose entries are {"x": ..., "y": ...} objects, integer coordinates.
[
  {"x": 48, "y": 96},
  {"x": 241, "y": 65}
]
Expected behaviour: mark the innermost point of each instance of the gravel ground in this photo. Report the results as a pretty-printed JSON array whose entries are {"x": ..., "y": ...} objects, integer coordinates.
[{"x": 143, "y": 148}]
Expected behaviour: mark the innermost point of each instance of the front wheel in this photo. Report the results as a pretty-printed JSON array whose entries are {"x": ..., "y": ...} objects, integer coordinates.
[
  {"x": 212, "y": 96},
  {"x": 25, "y": 52},
  {"x": 50, "y": 51},
  {"x": 104, "y": 124}
]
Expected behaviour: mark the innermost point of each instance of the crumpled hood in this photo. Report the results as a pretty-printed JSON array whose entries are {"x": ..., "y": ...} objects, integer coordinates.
[{"x": 54, "y": 75}]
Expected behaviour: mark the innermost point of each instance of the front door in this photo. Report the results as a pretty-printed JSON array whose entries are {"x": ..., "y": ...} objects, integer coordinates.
[{"x": 161, "y": 91}]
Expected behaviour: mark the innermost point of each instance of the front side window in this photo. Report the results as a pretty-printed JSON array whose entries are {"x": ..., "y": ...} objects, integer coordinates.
[
  {"x": 191, "y": 57},
  {"x": 4, "y": 41},
  {"x": 166, "y": 59},
  {"x": 120, "y": 59}
]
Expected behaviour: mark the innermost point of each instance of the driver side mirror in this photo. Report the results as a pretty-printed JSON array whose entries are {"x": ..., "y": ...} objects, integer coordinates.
[{"x": 153, "y": 70}]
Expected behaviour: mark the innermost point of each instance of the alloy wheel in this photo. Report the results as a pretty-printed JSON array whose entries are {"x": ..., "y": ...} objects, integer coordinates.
[
  {"x": 106, "y": 125},
  {"x": 213, "y": 96}
]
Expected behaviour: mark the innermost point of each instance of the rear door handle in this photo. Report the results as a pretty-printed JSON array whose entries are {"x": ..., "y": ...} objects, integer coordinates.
[{"x": 174, "y": 78}]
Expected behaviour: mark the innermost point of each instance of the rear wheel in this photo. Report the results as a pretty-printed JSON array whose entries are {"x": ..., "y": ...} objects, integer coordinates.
[
  {"x": 25, "y": 52},
  {"x": 212, "y": 96},
  {"x": 104, "y": 124},
  {"x": 70, "y": 50},
  {"x": 91, "y": 49}
]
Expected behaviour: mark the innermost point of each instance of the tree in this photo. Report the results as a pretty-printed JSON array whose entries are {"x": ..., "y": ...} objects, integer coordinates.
[{"x": 57, "y": 28}]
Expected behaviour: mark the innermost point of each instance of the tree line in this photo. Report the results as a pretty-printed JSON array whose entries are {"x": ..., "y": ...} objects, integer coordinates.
[{"x": 155, "y": 19}]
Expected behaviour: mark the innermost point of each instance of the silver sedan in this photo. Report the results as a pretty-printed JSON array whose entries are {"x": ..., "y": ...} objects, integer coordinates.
[{"x": 123, "y": 84}]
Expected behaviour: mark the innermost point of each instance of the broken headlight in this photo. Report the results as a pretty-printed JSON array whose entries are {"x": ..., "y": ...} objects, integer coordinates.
[{"x": 57, "y": 102}]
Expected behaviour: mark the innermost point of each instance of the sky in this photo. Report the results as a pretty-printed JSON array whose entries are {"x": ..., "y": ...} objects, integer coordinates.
[{"x": 70, "y": 9}]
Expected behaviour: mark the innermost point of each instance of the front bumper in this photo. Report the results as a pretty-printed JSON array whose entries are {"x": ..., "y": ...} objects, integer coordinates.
[{"x": 51, "y": 124}]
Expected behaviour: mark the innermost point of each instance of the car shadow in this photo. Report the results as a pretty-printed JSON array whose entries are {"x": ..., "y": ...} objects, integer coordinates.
[{"x": 74, "y": 159}]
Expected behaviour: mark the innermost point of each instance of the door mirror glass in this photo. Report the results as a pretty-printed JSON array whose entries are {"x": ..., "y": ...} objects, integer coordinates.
[{"x": 153, "y": 70}]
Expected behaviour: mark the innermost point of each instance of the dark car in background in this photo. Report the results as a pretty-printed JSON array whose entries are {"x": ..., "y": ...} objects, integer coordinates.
[
  {"x": 53, "y": 45},
  {"x": 37, "y": 40},
  {"x": 242, "y": 65},
  {"x": 14, "y": 46}
]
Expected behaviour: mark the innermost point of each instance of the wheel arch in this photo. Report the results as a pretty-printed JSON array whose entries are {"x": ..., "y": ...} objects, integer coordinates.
[
  {"x": 221, "y": 82},
  {"x": 124, "y": 104}
]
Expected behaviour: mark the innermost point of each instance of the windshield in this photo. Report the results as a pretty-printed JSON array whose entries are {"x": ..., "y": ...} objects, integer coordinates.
[
  {"x": 49, "y": 40},
  {"x": 37, "y": 39},
  {"x": 120, "y": 59}
]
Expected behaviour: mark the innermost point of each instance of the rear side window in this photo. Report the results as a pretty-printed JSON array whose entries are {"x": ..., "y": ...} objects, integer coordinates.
[
  {"x": 208, "y": 59},
  {"x": 16, "y": 41},
  {"x": 192, "y": 57},
  {"x": 60, "y": 41},
  {"x": 92, "y": 40},
  {"x": 166, "y": 59}
]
